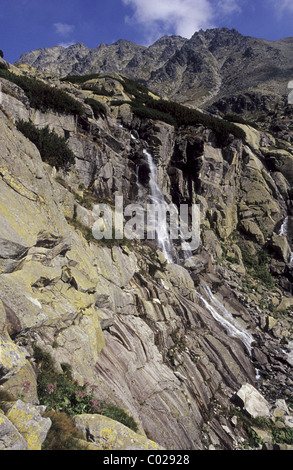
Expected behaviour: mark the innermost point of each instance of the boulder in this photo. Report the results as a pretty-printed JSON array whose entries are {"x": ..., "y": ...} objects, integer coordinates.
[
  {"x": 12, "y": 359},
  {"x": 108, "y": 434},
  {"x": 10, "y": 437},
  {"x": 28, "y": 421},
  {"x": 279, "y": 244},
  {"x": 253, "y": 402}
]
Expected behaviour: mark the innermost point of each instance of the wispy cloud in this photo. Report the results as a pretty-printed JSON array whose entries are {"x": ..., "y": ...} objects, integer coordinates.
[
  {"x": 66, "y": 44},
  {"x": 284, "y": 6},
  {"x": 63, "y": 29},
  {"x": 181, "y": 17},
  {"x": 229, "y": 7}
]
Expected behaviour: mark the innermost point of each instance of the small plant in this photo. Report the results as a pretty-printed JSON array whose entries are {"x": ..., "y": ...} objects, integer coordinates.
[
  {"x": 53, "y": 149},
  {"x": 257, "y": 266},
  {"x": 239, "y": 119},
  {"x": 1, "y": 54},
  {"x": 97, "y": 90},
  {"x": 85, "y": 230},
  {"x": 283, "y": 436},
  {"x": 80, "y": 79}
]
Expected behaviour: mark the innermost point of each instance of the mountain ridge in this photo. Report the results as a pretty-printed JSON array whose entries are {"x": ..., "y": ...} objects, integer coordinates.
[{"x": 214, "y": 64}]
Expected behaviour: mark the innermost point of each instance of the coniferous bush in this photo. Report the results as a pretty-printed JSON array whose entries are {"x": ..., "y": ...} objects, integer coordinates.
[
  {"x": 98, "y": 108},
  {"x": 80, "y": 79},
  {"x": 53, "y": 149},
  {"x": 100, "y": 91},
  {"x": 43, "y": 96}
]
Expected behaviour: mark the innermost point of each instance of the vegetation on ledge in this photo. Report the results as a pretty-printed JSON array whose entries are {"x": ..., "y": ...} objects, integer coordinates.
[
  {"x": 44, "y": 97},
  {"x": 61, "y": 393},
  {"x": 53, "y": 149}
]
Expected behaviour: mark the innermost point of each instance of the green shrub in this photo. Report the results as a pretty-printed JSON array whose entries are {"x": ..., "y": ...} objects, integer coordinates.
[
  {"x": 185, "y": 116},
  {"x": 43, "y": 96},
  {"x": 97, "y": 90},
  {"x": 257, "y": 266},
  {"x": 283, "y": 435},
  {"x": 144, "y": 106},
  {"x": 53, "y": 149},
  {"x": 133, "y": 87},
  {"x": 98, "y": 108},
  {"x": 236, "y": 118},
  {"x": 1, "y": 53},
  {"x": 79, "y": 79},
  {"x": 146, "y": 112},
  {"x": 119, "y": 102}
]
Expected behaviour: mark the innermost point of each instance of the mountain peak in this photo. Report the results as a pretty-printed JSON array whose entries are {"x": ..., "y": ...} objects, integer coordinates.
[{"x": 215, "y": 63}]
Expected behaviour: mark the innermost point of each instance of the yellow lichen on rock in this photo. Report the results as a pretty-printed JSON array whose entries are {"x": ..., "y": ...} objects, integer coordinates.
[
  {"x": 30, "y": 424},
  {"x": 112, "y": 435}
]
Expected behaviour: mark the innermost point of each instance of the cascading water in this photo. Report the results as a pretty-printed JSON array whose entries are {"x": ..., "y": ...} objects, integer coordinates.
[
  {"x": 160, "y": 208},
  {"x": 225, "y": 318},
  {"x": 284, "y": 226},
  {"x": 284, "y": 231}
]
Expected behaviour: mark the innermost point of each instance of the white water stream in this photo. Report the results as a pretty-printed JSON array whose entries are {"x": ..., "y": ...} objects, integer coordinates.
[
  {"x": 284, "y": 231},
  {"x": 160, "y": 211},
  {"x": 226, "y": 319},
  {"x": 284, "y": 226}
]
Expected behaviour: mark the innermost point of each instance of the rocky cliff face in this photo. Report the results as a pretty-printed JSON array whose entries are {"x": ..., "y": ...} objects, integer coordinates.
[{"x": 172, "y": 344}]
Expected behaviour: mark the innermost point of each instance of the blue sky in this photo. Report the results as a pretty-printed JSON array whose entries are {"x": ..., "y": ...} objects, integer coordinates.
[{"x": 31, "y": 24}]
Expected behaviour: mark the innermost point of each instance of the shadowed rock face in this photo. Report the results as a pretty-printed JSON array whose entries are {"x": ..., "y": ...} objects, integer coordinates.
[{"x": 169, "y": 343}]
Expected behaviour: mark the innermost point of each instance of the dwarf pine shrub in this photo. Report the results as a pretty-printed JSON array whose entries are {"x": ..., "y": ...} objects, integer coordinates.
[
  {"x": 98, "y": 108},
  {"x": 43, "y": 96},
  {"x": 53, "y": 149}
]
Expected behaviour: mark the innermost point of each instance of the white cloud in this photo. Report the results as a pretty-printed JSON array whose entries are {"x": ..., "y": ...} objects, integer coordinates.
[
  {"x": 181, "y": 17},
  {"x": 63, "y": 29},
  {"x": 285, "y": 5},
  {"x": 66, "y": 44},
  {"x": 281, "y": 7},
  {"x": 228, "y": 7}
]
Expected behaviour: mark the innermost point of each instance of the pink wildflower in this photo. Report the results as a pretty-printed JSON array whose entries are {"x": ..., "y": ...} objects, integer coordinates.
[
  {"x": 26, "y": 385},
  {"x": 96, "y": 405},
  {"x": 50, "y": 388}
]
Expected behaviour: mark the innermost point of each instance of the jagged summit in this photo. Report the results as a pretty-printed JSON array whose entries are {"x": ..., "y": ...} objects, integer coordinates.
[{"x": 212, "y": 65}]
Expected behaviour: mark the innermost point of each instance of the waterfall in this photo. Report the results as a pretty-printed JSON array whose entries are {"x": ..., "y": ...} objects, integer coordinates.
[
  {"x": 284, "y": 231},
  {"x": 161, "y": 207},
  {"x": 284, "y": 226},
  {"x": 139, "y": 186},
  {"x": 225, "y": 318}
]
